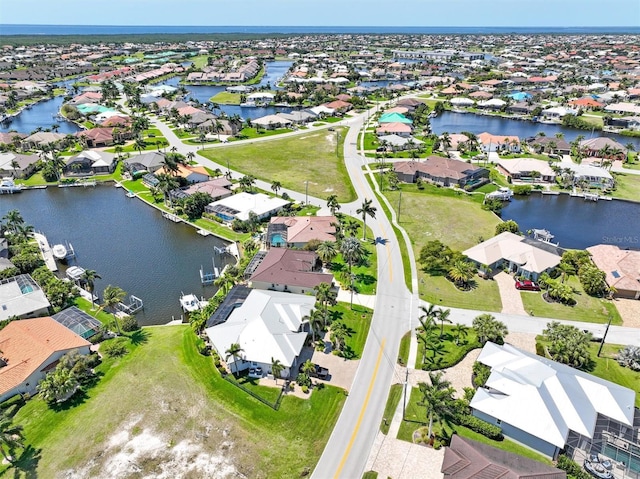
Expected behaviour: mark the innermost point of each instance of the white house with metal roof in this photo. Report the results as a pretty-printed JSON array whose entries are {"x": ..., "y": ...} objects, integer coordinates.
[
  {"x": 239, "y": 206},
  {"x": 539, "y": 402},
  {"x": 268, "y": 325}
]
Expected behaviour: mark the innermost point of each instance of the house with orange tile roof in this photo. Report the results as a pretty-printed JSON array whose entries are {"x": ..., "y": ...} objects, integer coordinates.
[
  {"x": 621, "y": 266},
  {"x": 489, "y": 143},
  {"x": 31, "y": 348},
  {"x": 297, "y": 231},
  {"x": 588, "y": 103},
  {"x": 394, "y": 128},
  {"x": 193, "y": 174}
]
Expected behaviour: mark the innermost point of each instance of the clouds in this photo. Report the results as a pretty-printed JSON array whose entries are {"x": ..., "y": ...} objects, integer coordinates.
[{"x": 489, "y": 13}]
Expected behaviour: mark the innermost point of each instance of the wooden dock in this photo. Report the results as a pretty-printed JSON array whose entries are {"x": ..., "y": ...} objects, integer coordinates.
[{"x": 45, "y": 249}]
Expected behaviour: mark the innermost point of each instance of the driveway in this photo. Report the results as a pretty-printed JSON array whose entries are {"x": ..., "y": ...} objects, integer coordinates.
[{"x": 509, "y": 295}]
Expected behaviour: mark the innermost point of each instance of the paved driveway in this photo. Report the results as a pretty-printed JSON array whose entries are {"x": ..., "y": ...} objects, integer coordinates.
[{"x": 509, "y": 295}]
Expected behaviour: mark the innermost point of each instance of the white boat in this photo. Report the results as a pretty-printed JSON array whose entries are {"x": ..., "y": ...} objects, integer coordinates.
[
  {"x": 8, "y": 186},
  {"x": 131, "y": 194},
  {"x": 75, "y": 273},
  {"x": 190, "y": 303},
  {"x": 59, "y": 251},
  {"x": 248, "y": 104},
  {"x": 503, "y": 193}
]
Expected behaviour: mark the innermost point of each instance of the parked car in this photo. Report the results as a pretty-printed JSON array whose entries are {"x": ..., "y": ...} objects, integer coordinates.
[
  {"x": 319, "y": 372},
  {"x": 527, "y": 285}
]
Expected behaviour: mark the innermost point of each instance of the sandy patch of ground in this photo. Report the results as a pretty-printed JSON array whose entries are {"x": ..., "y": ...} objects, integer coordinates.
[
  {"x": 629, "y": 310},
  {"x": 132, "y": 452}
]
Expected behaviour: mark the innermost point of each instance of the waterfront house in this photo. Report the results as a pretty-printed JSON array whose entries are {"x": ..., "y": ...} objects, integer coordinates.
[
  {"x": 30, "y": 348},
  {"x": 551, "y": 407},
  {"x": 217, "y": 188},
  {"x": 441, "y": 171},
  {"x": 394, "y": 118},
  {"x": 519, "y": 255},
  {"x": 21, "y": 297},
  {"x": 148, "y": 162},
  {"x": 603, "y": 147},
  {"x": 622, "y": 267},
  {"x": 271, "y": 122},
  {"x": 267, "y": 325},
  {"x": 490, "y": 143},
  {"x": 17, "y": 165},
  {"x": 465, "y": 458},
  {"x": 400, "y": 129},
  {"x": 42, "y": 138},
  {"x": 288, "y": 270},
  {"x": 297, "y": 231},
  {"x": 593, "y": 176},
  {"x": 96, "y": 137},
  {"x": 527, "y": 169},
  {"x": 192, "y": 174},
  {"x": 239, "y": 206},
  {"x": 550, "y": 144},
  {"x": 90, "y": 162},
  {"x": 79, "y": 322}
]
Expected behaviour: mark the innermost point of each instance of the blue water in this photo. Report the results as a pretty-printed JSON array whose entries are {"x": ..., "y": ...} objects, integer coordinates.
[
  {"x": 17, "y": 29},
  {"x": 40, "y": 115}
]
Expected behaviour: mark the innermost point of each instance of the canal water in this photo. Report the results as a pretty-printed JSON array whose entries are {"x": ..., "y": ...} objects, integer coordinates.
[
  {"x": 126, "y": 242},
  {"x": 456, "y": 122},
  {"x": 40, "y": 115},
  {"x": 577, "y": 223}
]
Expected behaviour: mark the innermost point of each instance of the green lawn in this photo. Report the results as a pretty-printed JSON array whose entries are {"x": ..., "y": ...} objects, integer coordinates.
[
  {"x": 395, "y": 394},
  {"x": 457, "y": 220},
  {"x": 370, "y": 475},
  {"x": 292, "y": 161},
  {"x": 452, "y": 353},
  {"x": 628, "y": 187},
  {"x": 606, "y": 367},
  {"x": 180, "y": 133},
  {"x": 405, "y": 345},
  {"x": 587, "y": 308},
  {"x": 357, "y": 321},
  {"x": 176, "y": 395},
  {"x": 226, "y": 98},
  {"x": 248, "y": 133},
  {"x": 151, "y": 143},
  {"x": 365, "y": 274}
]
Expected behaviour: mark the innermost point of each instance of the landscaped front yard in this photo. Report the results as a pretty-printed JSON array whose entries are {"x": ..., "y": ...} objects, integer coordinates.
[
  {"x": 312, "y": 157},
  {"x": 164, "y": 407}
]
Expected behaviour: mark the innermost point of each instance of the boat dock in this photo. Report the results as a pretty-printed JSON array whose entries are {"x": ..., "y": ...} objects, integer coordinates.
[
  {"x": 172, "y": 217},
  {"x": 203, "y": 232},
  {"x": 135, "y": 305},
  {"x": 78, "y": 183},
  {"x": 45, "y": 249}
]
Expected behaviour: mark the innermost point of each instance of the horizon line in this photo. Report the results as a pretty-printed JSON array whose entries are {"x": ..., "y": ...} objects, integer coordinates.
[{"x": 320, "y": 26}]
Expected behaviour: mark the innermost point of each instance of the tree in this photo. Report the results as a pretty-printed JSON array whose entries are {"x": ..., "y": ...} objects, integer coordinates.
[
  {"x": 11, "y": 437},
  {"x": 460, "y": 330},
  {"x": 276, "y": 186},
  {"x": 58, "y": 386},
  {"x": 629, "y": 357},
  {"x": 12, "y": 220},
  {"x": 326, "y": 296},
  {"x": 488, "y": 328},
  {"x": 428, "y": 317},
  {"x": 339, "y": 333},
  {"x": 276, "y": 368},
  {"x": 593, "y": 280},
  {"x": 510, "y": 226},
  {"x": 247, "y": 182},
  {"x": 89, "y": 277},
  {"x": 567, "y": 344},
  {"x": 332, "y": 204},
  {"x": 166, "y": 184},
  {"x": 559, "y": 291},
  {"x": 111, "y": 297},
  {"x": 461, "y": 272},
  {"x": 367, "y": 209},
  {"x": 327, "y": 251},
  {"x": 437, "y": 399},
  {"x": 352, "y": 251},
  {"x": 234, "y": 351},
  {"x": 195, "y": 204},
  {"x": 139, "y": 145},
  {"x": 443, "y": 317},
  {"x": 566, "y": 270}
]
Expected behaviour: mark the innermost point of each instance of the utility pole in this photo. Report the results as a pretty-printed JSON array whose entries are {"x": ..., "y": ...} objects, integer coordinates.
[
  {"x": 404, "y": 399},
  {"x": 605, "y": 336}
]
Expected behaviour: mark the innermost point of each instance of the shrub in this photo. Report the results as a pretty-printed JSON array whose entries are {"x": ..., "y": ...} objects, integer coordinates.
[
  {"x": 480, "y": 374},
  {"x": 129, "y": 323},
  {"x": 305, "y": 389},
  {"x": 303, "y": 380},
  {"x": 524, "y": 190},
  {"x": 572, "y": 468},
  {"x": 481, "y": 427},
  {"x": 115, "y": 348}
]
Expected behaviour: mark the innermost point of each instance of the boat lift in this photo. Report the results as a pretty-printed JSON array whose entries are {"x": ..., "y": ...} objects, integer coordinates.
[{"x": 208, "y": 278}]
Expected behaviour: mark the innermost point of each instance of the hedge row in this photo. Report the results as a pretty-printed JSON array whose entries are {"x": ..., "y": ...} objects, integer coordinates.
[{"x": 481, "y": 427}]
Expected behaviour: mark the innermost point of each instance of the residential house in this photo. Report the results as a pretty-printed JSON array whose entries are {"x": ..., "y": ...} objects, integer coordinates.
[
  {"x": 271, "y": 122},
  {"x": 268, "y": 325},
  {"x": 527, "y": 169},
  {"x": 465, "y": 458},
  {"x": 239, "y": 206},
  {"x": 441, "y": 171},
  {"x": 29, "y": 349},
  {"x": 17, "y": 165},
  {"x": 297, "y": 231},
  {"x": 551, "y": 407},
  {"x": 397, "y": 142},
  {"x": 490, "y": 143},
  {"x": 288, "y": 270},
  {"x": 603, "y": 147},
  {"x": 148, "y": 162},
  {"x": 217, "y": 188},
  {"x": 79, "y": 322},
  {"x": 520, "y": 255},
  {"x": 550, "y": 144},
  {"x": 591, "y": 175},
  {"x": 90, "y": 162},
  {"x": 96, "y": 137},
  {"x": 403, "y": 130},
  {"x": 42, "y": 138},
  {"x": 622, "y": 267},
  {"x": 192, "y": 174},
  {"x": 20, "y": 296}
]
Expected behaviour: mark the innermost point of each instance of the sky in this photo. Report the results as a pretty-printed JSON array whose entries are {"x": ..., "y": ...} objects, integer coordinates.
[{"x": 443, "y": 13}]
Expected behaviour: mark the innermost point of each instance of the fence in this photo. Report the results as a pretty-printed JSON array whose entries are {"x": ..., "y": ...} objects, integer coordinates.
[{"x": 275, "y": 405}]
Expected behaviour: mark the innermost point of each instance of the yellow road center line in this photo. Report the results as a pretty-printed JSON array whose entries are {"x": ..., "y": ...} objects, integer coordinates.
[{"x": 362, "y": 411}]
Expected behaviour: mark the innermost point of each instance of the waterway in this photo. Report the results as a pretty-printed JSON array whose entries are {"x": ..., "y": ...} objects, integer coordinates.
[
  {"x": 577, "y": 223},
  {"x": 41, "y": 115},
  {"x": 456, "y": 122},
  {"x": 126, "y": 242}
]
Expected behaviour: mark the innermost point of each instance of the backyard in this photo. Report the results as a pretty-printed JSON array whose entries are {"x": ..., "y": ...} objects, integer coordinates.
[
  {"x": 293, "y": 161},
  {"x": 164, "y": 411}
]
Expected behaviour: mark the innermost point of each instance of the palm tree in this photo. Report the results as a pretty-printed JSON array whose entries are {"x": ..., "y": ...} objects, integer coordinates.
[
  {"x": 225, "y": 281},
  {"x": 428, "y": 317},
  {"x": 15, "y": 165},
  {"x": 327, "y": 251},
  {"x": 111, "y": 297},
  {"x": 461, "y": 272},
  {"x": 367, "y": 209},
  {"x": 167, "y": 184},
  {"x": 460, "y": 330},
  {"x": 307, "y": 367},
  {"x": 332, "y": 204},
  {"x": 247, "y": 182},
  {"x": 11, "y": 437},
  {"x": 139, "y": 145},
  {"x": 566, "y": 270},
  {"x": 443, "y": 317},
  {"x": 350, "y": 227},
  {"x": 339, "y": 333},
  {"x": 326, "y": 296},
  {"x": 352, "y": 251},
  {"x": 12, "y": 220},
  {"x": 437, "y": 398},
  {"x": 89, "y": 276},
  {"x": 191, "y": 156},
  {"x": 276, "y": 186},
  {"x": 489, "y": 328},
  {"x": 276, "y": 369},
  {"x": 234, "y": 351}
]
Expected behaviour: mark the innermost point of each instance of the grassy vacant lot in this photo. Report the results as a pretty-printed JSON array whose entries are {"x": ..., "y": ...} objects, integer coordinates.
[
  {"x": 587, "y": 308},
  {"x": 226, "y": 98},
  {"x": 163, "y": 398},
  {"x": 292, "y": 161},
  {"x": 628, "y": 187},
  {"x": 451, "y": 353},
  {"x": 415, "y": 418},
  {"x": 357, "y": 321},
  {"x": 457, "y": 220}
]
